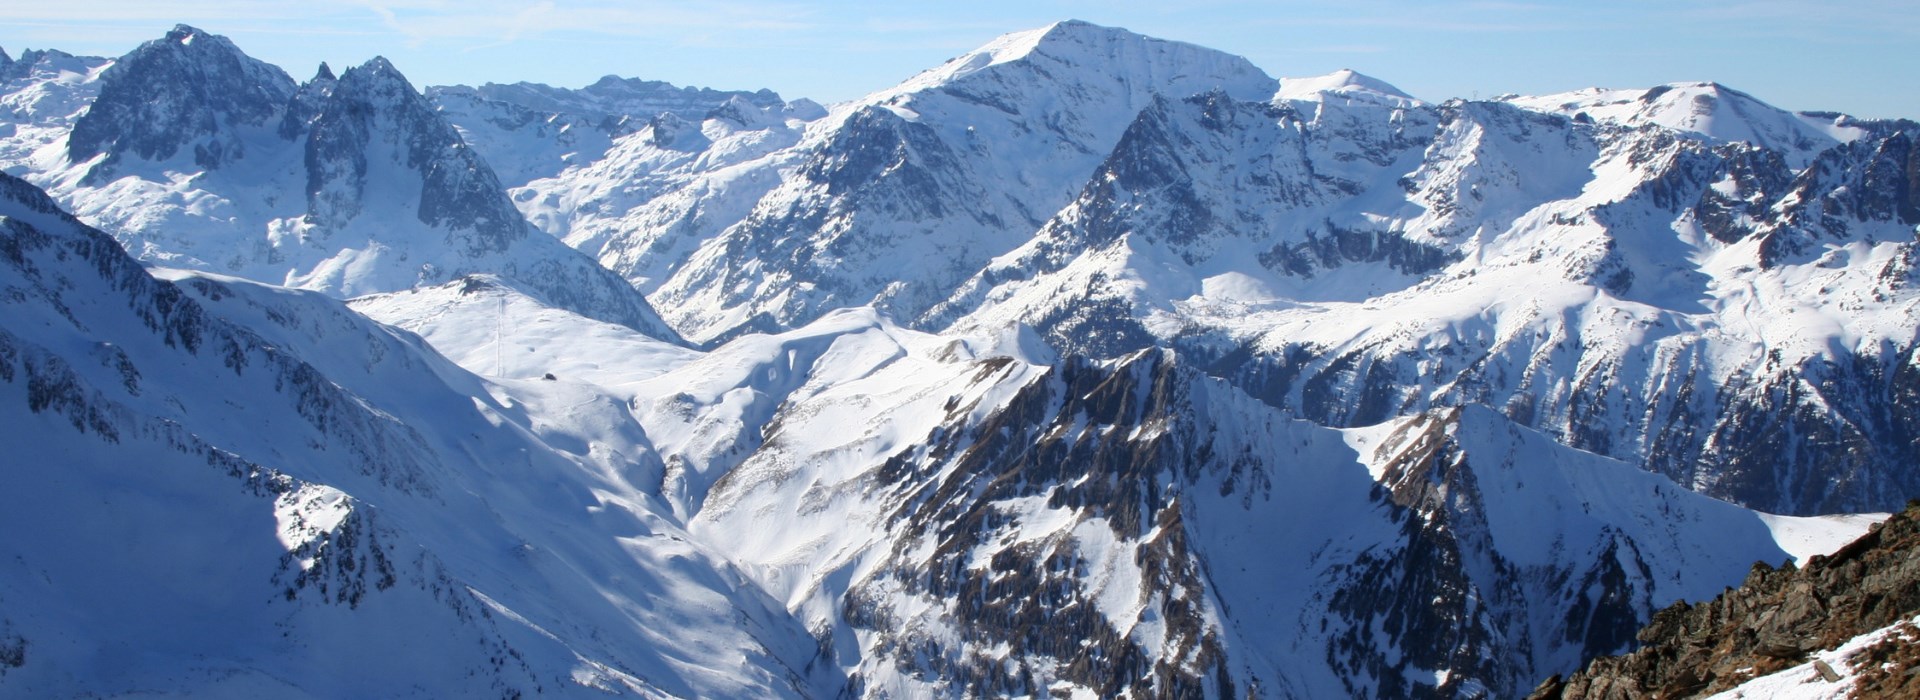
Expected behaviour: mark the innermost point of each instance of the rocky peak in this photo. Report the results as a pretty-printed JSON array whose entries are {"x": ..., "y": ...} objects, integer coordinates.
[
  {"x": 374, "y": 116},
  {"x": 12, "y": 69},
  {"x": 1775, "y": 620},
  {"x": 743, "y": 113},
  {"x": 1880, "y": 180},
  {"x": 939, "y": 174},
  {"x": 187, "y": 89},
  {"x": 306, "y": 102},
  {"x": 672, "y": 132},
  {"x": 377, "y": 83},
  {"x": 804, "y": 109},
  {"x": 1177, "y": 176}
]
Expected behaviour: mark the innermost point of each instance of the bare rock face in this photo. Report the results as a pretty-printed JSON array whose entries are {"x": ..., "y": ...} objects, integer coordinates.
[
  {"x": 1774, "y": 621},
  {"x": 189, "y": 88}
]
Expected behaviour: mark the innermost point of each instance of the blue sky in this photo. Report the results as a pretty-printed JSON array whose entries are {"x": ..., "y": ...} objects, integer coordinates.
[{"x": 1856, "y": 56}]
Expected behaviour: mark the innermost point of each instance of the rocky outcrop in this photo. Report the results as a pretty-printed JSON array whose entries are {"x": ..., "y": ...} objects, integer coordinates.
[
  {"x": 372, "y": 114},
  {"x": 189, "y": 88},
  {"x": 1774, "y": 621}
]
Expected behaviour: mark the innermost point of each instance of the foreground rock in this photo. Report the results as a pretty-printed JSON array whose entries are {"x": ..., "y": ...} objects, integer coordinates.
[{"x": 1845, "y": 623}]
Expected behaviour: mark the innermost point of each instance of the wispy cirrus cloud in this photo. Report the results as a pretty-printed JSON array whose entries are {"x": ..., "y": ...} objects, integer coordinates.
[
  {"x": 134, "y": 11},
  {"x": 421, "y": 22},
  {"x": 508, "y": 20}
]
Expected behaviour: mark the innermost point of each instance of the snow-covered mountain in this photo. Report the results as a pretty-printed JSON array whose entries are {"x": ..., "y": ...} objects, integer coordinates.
[
  {"x": 1085, "y": 364},
  {"x": 616, "y": 96},
  {"x": 1709, "y": 110},
  {"x": 891, "y": 199},
  {"x": 1635, "y": 292},
  {"x": 197, "y": 156},
  {"x": 1667, "y": 276},
  {"x": 867, "y": 509},
  {"x": 529, "y": 131},
  {"x": 964, "y": 516},
  {"x": 216, "y": 487},
  {"x": 40, "y": 94}
]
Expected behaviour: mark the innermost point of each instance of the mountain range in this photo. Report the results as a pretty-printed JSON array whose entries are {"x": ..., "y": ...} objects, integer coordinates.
[{"x": 1085, "y": 364}]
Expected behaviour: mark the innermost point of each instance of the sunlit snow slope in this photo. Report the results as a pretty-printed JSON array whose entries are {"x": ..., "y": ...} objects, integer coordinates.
[
  {"x": 215, "y": 487},
  {"x": 967, "y": 515}
]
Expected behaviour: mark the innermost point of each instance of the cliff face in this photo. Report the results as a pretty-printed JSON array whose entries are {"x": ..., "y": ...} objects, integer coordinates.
[{"x": 1845, "y": 622}]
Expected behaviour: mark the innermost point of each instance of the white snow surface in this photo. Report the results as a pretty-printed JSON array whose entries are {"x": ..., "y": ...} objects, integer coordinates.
[
  {"x": 38, "y": 105},
  {"x": 1709, "y": 110},
  {"x": 1808, "y": 537},
  {"x": 1344, "y": 83},
  {"x": 662, "y": 521},
  {"x": 241, "y": 488},
  {"x": 774, "y": 446}
]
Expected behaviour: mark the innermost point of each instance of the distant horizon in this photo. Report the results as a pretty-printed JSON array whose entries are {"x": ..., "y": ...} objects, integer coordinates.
[{"x": 1794, "y": 54}]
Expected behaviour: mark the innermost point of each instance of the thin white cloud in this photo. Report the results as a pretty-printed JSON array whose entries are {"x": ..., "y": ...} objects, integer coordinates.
[
  {"x": 509, "y": 20},
  {"x": 135, "y": 11},
  {"x": 419, "y": 22}
]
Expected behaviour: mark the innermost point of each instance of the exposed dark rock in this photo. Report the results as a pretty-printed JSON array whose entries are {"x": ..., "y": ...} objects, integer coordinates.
[
  {"x": 1847, "y": 190},
  {"x": 1774, "y": 621},
  {"x": 307, "y": 103},
  {"x": 673, "y": 132},
  {"x": 189, "y": 88},
  {"x": 373, "y": 112},
  {"x": 1341, "y": 245},
  {"x": 1030, "y": 598}
]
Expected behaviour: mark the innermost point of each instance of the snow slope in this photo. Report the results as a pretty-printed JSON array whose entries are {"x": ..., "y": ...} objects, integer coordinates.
[
  {"x": 40, "y": 94},
  {"x": 927, "y": 504},
  {"x": 215, "y": 487},
  {"x": 1708, "y": 110}
]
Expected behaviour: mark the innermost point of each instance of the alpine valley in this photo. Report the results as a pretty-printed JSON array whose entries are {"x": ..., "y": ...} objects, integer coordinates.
[{"x": 1085, "y": 364}]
